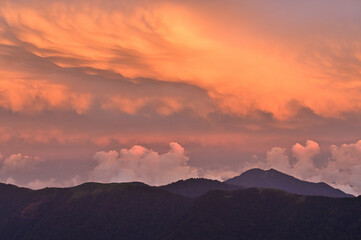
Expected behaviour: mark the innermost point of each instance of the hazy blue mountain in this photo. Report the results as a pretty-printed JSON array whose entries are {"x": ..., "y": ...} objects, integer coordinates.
[
  {"x": 277, "y": 180},
  {"x": 195, "y": 187}
]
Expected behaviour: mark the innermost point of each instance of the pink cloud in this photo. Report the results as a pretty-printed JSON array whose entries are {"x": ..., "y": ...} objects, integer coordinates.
[
  {"x": 277, "y": 158},
  {"x": 16, "y": 162},
  {"x": 141, "y": 164},
  {"x": 304, "y": 155},
  {"x": 27, "y": 95}
]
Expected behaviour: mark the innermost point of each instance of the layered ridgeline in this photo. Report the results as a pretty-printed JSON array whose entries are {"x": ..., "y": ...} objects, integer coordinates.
[
  {"x": 277, "y": 180},
  {"x": 195, "y": 187},
  {"x": 189, "y": 209}
]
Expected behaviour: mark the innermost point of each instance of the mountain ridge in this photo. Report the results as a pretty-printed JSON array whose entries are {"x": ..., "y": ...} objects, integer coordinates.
[
  {"x": 195, "y": 187},
  {"x": 138, "y": 211},
  {"x": 275, "y": 179}
]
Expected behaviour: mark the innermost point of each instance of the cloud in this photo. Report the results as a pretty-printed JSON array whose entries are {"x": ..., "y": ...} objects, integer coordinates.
[
  {"x": 238, "y": 58},
  {"x": 19, "y": 95},
  {"x": 212, "y": 75},
  {"x": 52, "y": 182},
  {"x": 277, "y": 158},
  {"x": 348, "y": 181},
  {"x": 220, "y": 174},
  {"x": 141, "y": 164},
  {"x": 304, "y": 155},
  {"x": 39, "y": 184},
  {"x": 307, "y": 152},
  {"x": 10, "y": 180},
  {"x": 302, "y": 167},
  {"x": 347, "y": 155},
  {"x": 161, "y": 105},
  {"x": 19, "y": 162},
  {"x": 54, "y": 72},
  {"x": 344, "y": 169}
]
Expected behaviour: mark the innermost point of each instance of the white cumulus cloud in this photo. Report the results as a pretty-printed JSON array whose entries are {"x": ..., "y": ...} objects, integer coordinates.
[
  {"x": 304, "y": 155},
  {"x": 277, "y": 158},
  {"x": 344, "y": 169},
  {"x": 141, "y": 164},
  {"x": 347, "y": 155}
]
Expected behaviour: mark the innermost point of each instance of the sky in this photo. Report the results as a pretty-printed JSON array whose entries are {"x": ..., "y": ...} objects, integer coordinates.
[{"x": 161, "y": 90}]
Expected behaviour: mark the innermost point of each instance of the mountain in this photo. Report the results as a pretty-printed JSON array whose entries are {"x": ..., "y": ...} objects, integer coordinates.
[
  {"x": 138, "y": 211},
  {"x": 271, "y": 214},
  {"x": 89, "y": 211},
  {"x": 195, "y": 187},
  {"x": 277, "y": 180}
]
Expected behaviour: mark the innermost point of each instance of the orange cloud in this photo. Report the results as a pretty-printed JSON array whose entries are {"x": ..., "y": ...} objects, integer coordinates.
[
  {"x": 217, "y": 76},
  {"x": 243, "y": 65},
  {"x": 20, "y": 93}
]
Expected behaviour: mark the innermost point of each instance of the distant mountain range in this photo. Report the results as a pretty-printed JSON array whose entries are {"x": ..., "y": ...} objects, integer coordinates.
[
  {"x": 277, "y": 180},
  {"x": 189, "y": 209}
]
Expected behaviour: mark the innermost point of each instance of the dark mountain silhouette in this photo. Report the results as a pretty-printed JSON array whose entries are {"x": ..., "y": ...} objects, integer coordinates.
[
  {"x": 257, "y": 214},
  {"x": 195, "y": 187},
  {"x": 139, "y": 211},
  {"x": 88, "y": 211},
  {"x": 277, "y": 180}
]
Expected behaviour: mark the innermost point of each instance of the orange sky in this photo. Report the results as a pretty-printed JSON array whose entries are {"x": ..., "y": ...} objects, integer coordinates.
[
  {"x": 110, "y": 74},
  {"x": 242, "y": 66}
]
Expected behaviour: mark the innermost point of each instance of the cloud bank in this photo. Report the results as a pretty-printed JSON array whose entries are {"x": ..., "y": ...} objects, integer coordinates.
[
  {"x": 16, "y": 162},
  {"x": 241, "y": 60},
  {"x": 141, "y": 164},
  {"x": 342, "y": 170}
]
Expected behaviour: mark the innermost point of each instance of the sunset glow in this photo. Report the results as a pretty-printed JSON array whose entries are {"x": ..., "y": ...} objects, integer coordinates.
[{"x": 233, "y": 84}]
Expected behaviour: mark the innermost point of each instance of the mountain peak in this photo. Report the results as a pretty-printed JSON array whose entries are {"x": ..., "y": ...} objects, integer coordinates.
[{"x": 272, "y": 178}]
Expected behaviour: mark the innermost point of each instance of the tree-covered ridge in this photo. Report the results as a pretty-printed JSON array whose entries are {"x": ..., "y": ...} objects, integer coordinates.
[{"x": 139, "y": 211}]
